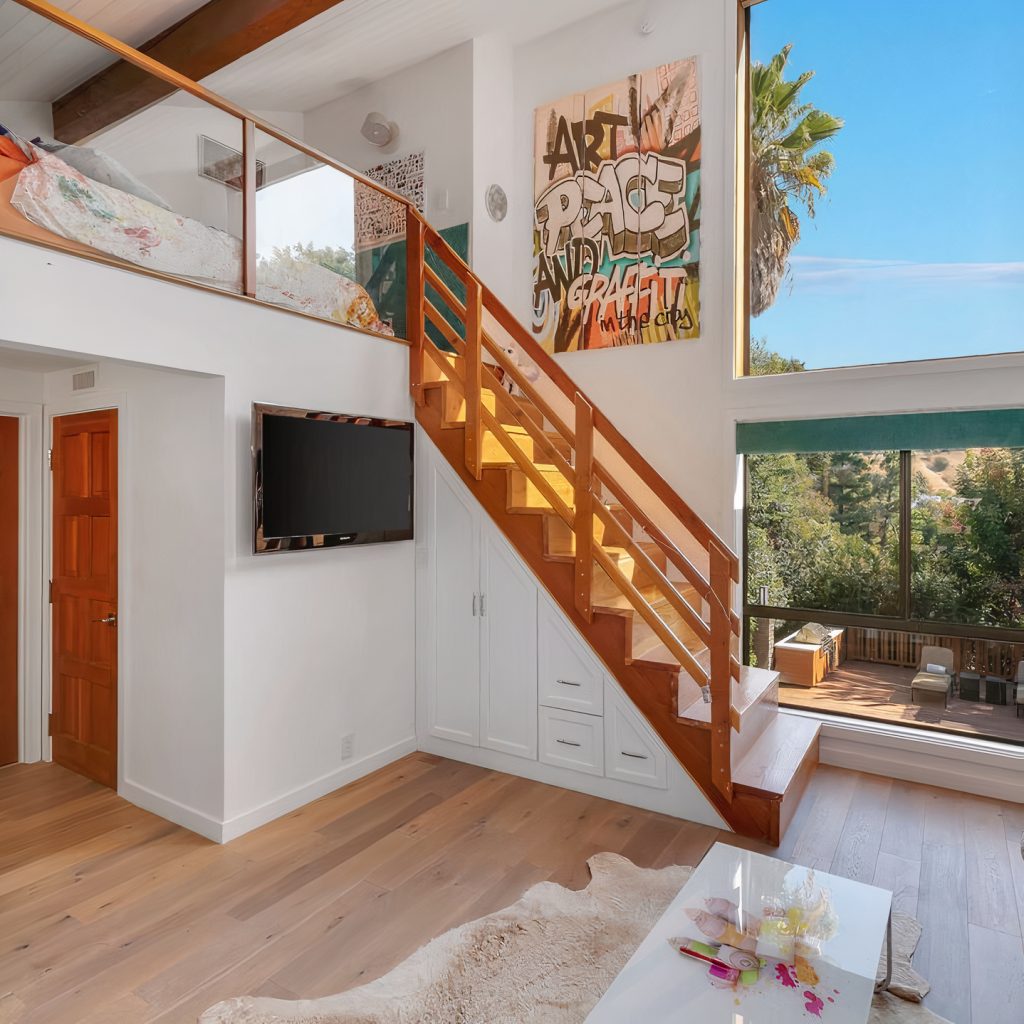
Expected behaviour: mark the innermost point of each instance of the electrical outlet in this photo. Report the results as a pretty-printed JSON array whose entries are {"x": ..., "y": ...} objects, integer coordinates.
[{"x": 347, "y": 745}]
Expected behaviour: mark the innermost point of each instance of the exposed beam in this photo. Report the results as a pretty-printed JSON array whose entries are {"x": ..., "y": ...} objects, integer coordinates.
[{"x": 210, "y": 38}]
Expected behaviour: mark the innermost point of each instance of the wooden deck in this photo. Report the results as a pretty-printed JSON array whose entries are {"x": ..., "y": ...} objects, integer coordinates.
[{"x": 862, "y": 689}]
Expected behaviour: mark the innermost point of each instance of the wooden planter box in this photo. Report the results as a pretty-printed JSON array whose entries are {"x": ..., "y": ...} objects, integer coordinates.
[{"x": 802, "y": 664}]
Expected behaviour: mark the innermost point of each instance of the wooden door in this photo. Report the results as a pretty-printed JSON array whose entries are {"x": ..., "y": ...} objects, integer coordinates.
[
  {"x": 508, "y": 654},
  {"x": 453, "y": 683},
  {"x": 84, "y": 595},
  {"x": 9, "y": 500}
]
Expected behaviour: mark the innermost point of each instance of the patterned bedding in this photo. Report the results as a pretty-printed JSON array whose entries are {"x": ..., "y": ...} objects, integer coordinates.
[{"x": 55, "y": 196}]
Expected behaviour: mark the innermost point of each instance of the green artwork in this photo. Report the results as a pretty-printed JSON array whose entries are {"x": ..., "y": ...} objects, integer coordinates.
[{"x": 382, "y": 273}]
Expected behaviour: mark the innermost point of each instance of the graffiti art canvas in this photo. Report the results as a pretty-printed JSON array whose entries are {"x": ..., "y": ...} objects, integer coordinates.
[{"x": 617, "y": 212}]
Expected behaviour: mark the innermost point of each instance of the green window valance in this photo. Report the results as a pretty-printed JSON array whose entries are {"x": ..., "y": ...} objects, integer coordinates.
[{"x": 989, "y": 428}]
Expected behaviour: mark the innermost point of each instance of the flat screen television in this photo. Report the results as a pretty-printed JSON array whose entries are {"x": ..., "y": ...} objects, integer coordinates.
[{"x": 323, "y": 479}]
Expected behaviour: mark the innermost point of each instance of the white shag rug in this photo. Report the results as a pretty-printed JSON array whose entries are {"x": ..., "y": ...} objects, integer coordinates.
[{"x": 547, "y": 959}]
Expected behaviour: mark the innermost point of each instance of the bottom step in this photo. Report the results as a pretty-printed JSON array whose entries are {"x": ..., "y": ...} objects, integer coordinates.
[{"x": 778, "y": 768}]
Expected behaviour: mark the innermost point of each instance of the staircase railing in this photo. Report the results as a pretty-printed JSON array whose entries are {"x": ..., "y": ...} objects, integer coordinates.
[
  {"x": 480, "y": 358},
  {"x": 481, "y": 339}
]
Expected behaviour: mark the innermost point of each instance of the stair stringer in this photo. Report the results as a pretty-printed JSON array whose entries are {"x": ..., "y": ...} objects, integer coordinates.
[{"x": 652, "y": 690}]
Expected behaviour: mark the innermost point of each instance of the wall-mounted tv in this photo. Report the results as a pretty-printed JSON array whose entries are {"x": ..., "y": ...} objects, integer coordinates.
[{"x": 323, "y": 479}]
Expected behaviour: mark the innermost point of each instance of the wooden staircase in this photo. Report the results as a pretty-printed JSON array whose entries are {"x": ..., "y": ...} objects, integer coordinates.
[{"x": 642, "y": 578}]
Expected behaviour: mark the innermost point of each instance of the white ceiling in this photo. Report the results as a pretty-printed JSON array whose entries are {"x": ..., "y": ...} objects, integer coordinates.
[
  {"x": 351, "y": 45},
  {"x": 16, "y": 358},
  {"x": 361, "y": 41},
  {"x": 40, "y": 61}
]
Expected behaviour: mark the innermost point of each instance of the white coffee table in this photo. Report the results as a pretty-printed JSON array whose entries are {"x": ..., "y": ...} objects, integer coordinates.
[{"x": 839, "y": 955}]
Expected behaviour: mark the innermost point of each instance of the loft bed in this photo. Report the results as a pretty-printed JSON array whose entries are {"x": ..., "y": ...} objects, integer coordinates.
[{"x": 46, "y": 198}]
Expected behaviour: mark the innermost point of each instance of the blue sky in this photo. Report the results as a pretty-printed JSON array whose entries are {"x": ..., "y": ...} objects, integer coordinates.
[{"x": 918, "y": 249}]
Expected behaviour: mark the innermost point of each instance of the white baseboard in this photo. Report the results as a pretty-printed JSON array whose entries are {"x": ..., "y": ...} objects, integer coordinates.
[
  {"x": 953, "y": 762},
  {"x": 680, "y": 800},
  {"x": 242, "y": 823},
  {"x": 181, "y": 814}
]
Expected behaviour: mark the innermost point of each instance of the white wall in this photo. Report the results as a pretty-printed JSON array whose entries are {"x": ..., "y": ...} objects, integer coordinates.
[
  {"x": 432, "y": 103},
  {"x": 677, "y": 402},
  {"x": 26, "y": 118},
  {"x": 315, "y": 645},
  {"x": 171, "y": 602}
]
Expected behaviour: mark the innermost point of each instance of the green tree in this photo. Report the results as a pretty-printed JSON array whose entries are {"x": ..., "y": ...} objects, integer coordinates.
[
  {"x": 338, "y": 259},
  {"x": 787, "y": 170},
  {"x": 764, "y": 362}
]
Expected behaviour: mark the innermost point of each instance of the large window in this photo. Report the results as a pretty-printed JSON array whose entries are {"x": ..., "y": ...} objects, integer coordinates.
[
  {"x": 924, "y": 537},
  {"x": 886, "y": 220},
  {"x": 823, "y": 531},
  {"x": 967, "y": 530}
]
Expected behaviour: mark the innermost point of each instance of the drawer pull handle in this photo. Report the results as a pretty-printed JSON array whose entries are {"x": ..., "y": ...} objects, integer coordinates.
[
  {"x": 568, "y": 743},
  {"x": 641, "y": 757},
  {"x": 567, "y": 682}
]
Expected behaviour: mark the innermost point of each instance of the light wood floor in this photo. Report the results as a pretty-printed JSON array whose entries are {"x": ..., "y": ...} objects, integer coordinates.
[
  {"x": 881, "y": 693},
  {"x": 109, "y": 915}
]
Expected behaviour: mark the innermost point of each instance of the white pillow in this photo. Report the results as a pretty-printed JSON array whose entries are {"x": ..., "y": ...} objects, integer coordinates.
[{"x": 939, "y": 670}]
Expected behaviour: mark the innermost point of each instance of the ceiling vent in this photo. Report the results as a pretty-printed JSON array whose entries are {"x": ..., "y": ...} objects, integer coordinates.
[
  {"x": 223, "y": 164},
  {"x": 83, "y": 380}
]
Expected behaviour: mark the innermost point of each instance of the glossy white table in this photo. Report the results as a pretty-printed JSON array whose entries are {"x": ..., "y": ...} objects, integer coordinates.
[{"x": 660, "y": 984}]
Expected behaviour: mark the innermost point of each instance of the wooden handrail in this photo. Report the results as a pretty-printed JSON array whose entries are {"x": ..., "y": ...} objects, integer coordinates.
[
  {"x": 444, "y": 291},
  {"x": 636, "y": 462},
  {"x": 720, "y": 676},
  {"x": 438, "y": 319},
  {"x": 583, "y": 499},
  {"x": 526, "y": 465},
  {"x": 474, "y": 372},
  {"x": 651, "y": 617},
  {"x": 415, "y": 297}
]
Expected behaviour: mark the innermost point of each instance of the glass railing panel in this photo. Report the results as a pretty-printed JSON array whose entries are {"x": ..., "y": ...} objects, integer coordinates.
[
  {"x": 155, "y": 186},
  {"x": 326, "y": 244}
]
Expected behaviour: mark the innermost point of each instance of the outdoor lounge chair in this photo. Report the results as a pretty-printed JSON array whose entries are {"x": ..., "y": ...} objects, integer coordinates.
[{"x": 926, "y": 682}]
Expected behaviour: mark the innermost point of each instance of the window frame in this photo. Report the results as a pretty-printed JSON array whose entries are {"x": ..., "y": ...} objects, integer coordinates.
[
  {"x": 901, "y": 622},
  {"x": 743, "y": 211}
]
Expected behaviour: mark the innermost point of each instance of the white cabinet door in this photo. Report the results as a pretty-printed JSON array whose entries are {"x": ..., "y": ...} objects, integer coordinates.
[
  {"x": 631, "y": 751},
  {"x": 570, "y": 677},
  {"x": 508, "y": 651},
  {"x": 453, "y": 683}
]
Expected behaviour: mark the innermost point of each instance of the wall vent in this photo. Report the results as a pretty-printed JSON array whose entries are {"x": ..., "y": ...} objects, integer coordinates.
[{"x": 83, "y": 380}]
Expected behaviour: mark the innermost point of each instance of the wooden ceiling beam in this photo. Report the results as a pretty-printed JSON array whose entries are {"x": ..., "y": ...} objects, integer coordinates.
[{"x": 217, "y": 34}]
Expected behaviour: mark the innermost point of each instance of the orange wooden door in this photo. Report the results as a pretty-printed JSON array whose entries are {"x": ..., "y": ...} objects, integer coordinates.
[
  {"x": 84, "y": 595},
  {"x": 9, "y": 495}
]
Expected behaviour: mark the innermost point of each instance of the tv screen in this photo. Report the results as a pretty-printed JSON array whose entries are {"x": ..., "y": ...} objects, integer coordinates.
[{"x": 325, "y": 479}]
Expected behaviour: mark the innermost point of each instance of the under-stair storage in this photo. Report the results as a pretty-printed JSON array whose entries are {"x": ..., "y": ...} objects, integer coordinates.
[
  {"x": 647, "y": 585},
  {"x": 480, "y": 663}
]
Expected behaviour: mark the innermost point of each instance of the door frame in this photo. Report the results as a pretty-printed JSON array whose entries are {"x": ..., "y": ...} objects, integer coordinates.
[
  {"x": 93, "y": 402},
  {"x": 31, "y": 592}
]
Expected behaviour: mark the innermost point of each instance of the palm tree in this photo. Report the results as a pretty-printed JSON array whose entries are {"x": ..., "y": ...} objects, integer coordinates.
[{"x": 784, "y": 172}]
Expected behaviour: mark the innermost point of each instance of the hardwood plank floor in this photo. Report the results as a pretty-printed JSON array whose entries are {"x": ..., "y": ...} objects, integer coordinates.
[{"x": 110, "y": 915}]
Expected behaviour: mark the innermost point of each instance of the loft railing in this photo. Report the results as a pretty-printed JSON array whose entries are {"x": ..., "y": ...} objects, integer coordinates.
[
  {"x": 467, "y": 339},
  {"x": 245, "y": 267},
  {"x": 485, "y": 339}
]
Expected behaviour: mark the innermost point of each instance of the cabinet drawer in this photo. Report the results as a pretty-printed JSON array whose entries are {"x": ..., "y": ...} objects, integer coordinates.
[
  {"x": 570, "y": 676},
  {"x": 572, "y": 740},
  {"x": 631, "y": 752}
]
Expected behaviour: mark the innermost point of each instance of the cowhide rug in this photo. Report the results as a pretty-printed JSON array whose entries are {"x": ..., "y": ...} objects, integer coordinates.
[{"x": 545, "y": 960}]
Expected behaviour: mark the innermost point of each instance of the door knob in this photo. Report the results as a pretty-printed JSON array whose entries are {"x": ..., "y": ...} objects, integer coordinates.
[{"x": 109, "y": 620}]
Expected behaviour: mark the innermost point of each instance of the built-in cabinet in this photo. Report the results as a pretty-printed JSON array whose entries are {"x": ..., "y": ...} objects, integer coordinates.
[
  {"x": 500, "y": 666},
  {"x": 482, "y": 645}
]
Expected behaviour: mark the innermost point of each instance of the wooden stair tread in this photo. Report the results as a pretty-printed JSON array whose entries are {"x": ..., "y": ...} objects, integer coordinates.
[
  {"x": 775, "y": 759},
  {"x": 752, "y": 686}
]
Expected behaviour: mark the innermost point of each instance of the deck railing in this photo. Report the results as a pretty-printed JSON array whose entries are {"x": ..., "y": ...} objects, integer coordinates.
[{"x": 471, "y": 339}]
